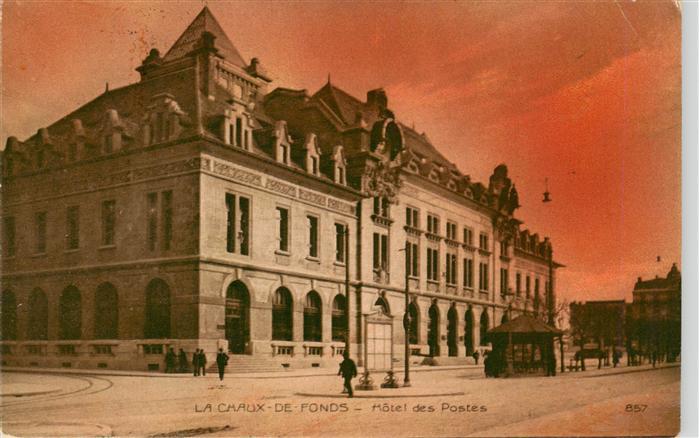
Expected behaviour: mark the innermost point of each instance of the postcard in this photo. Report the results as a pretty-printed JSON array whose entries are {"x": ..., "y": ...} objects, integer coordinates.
[{"x": 321, "y": 218}]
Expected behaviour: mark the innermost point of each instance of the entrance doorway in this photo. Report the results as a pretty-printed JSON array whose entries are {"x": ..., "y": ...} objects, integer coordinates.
[
  {"x": 433, "y": 330},
  {"x": 237, "y": 317}
]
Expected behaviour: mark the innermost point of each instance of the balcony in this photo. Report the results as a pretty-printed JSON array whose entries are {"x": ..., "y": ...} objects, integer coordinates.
[
  {"x": 381, "y": 220},
  {"x": 412, "y": 231}
]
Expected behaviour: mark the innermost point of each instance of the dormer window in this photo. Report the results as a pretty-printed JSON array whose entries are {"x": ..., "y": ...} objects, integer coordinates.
[
  {"x": 339, "y": 165},
  {"x": 314, "y": 165},
  {"x": 284, "y": 153},
  {"x": 163, "y": 120},
  {"x": 282, "y": 143},
  {"x": 312, "y": 154}
]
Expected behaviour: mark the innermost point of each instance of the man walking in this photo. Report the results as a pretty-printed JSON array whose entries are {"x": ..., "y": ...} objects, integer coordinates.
[
  {"x": 170, "y": 361},
  {"x": 221, "y": 362},
  {"x": 348, "y": 370},
  {"x": 183, "y": 362}
]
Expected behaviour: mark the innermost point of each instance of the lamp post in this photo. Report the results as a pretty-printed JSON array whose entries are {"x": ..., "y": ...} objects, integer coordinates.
[
  {"x": 406, "y": 317},
  {"x": 347, "y": 290}
]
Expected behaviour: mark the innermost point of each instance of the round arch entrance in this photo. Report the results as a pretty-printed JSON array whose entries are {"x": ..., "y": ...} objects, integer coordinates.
[
  {"x": 468, "y": 332},
  {"x": 237, "y": 317},
  {"x": 452, "y": 331}
]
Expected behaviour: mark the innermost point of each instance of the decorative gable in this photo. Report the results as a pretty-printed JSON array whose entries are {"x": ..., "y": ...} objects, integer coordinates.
[
  {"x": 312, "y": 152},
  {"x": 282, "y": 143},
  {"x": 163, "y": 120},
  {"x": 339, "y": 165}
]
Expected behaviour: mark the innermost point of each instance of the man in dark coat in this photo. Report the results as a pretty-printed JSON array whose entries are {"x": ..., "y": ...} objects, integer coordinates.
[
  {"x": 195, "y": 362},
  {"x": 170, "y": 361},
  {"x": 202, "y": 361},
  {"x": 183, "y": 361},
  {"x": 348, "y": 370},
  {"x": 221, "y": 362}
]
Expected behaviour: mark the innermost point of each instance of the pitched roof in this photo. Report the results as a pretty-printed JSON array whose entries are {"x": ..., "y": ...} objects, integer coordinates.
[
  {"x": 524, "y": 324},
  {"x": 204, "y": 22}
]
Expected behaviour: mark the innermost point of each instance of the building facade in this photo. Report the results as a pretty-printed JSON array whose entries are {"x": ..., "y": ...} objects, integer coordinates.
[
  {"x": 654, "y": 316},
  {"x": 198, "y": 209}
]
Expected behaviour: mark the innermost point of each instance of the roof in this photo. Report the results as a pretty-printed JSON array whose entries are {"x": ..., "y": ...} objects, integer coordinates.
[
  {"x": 204, "y": 22},
  {"x": 672, "y": 281},
  {"x": 524, "y": 324}
]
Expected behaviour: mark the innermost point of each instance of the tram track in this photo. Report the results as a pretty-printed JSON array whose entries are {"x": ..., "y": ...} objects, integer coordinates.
[{"x": 89, "y": 389}]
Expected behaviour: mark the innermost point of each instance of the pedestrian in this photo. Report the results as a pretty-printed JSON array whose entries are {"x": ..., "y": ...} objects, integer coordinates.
[
  {"x": 654, "y": 357},
  {"x": 476, "y": 355},
  {"x": 202, "y": 362},
  {"x": 221, "y": 362},
  {"x": 170, "y": 361},
  {"x": 195, "y": 362},
  {"x": 348, "y": 370},
  {"x": 183, "y": 361},
  {"x": 615, "y": 357},
  {"x": 600, "y": 356}
]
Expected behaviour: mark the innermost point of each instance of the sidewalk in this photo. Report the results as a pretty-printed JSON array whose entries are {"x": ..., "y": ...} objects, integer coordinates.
[{"x": 303, "y": 372}]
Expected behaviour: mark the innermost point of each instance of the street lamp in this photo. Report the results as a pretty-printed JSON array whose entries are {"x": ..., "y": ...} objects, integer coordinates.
[
  {"x": 347, "y": 291},
  {"x": 406, "y": 317}
]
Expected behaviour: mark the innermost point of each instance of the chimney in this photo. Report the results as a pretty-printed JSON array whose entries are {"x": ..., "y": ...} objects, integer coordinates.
[{"x": 377, "y": 98}]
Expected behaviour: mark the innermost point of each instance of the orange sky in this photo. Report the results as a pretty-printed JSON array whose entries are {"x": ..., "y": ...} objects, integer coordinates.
[{"x": 586, "y": 94}]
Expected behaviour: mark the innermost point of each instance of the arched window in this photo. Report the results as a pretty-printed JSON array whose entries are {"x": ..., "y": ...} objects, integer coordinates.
[
  {"x": 433, "y": 330},
  {"x": 282, "y": 315},
  {"x": 9, "y": 316},
  {"x": 38, "y": 328},
  {"x": 339, "y": 318},
  {"x": 312, "y": 314},
  {"x": 452, "y": 331},
  {"x": 106, "y": 312},
  {"x": 413, "y": 332},
  {"x": 70, "y": 316},
  {"x": 485, "y": 325},
  {"x": 383, "y": 305},
  {"x": 468, "y": 332},
  {"x": 157, "y": 323}
]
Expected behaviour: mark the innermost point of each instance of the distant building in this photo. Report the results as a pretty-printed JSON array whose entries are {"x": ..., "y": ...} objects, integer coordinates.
[
  {"x": 197, "y": 209},
  {"x": 654, "y": 322}
]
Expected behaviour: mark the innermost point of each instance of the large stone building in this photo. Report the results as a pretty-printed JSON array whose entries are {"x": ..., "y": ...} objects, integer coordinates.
[{"x": 198, "y": 209}]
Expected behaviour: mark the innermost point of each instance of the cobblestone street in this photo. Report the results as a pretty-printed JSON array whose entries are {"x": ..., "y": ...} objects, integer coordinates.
[{"x": 440, "y": 403}]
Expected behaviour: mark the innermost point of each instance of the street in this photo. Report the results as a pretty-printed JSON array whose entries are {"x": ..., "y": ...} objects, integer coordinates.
[{"x": 453, "y": 402}]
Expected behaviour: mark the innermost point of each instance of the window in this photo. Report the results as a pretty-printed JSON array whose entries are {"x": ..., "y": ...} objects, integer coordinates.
[
  {"x": 341, "y": 175},
  {"x": 483, "y": 276},
  {"x": 504, "y": 248},
  {"x": 518, "y": 284},
  {"x": 468, "y": 273},
  {"x": 340, "y": 236},
  {"x": 40, "y": 223},
  {"x": 483, "y": 242},
  {"x": 283, "y": 217},
  {"x": 314, "y": 165},
  {"x": 312, "y": 317},
  {"x": 312, "y": 236},
  {"x": 231, "y": 133},
  {"x": 9, "y": 235},
  {"x": 432, "y": 264},
  {"x": 237, "y": 224},
  {"x": 451, "y": 269},
  {"x": 70, "y": 314},
  {"x": 247, "y": 139},
  {"x": 504, "y": 281},
  {"x": 166, "y": 215},
  {"x": 238, "y": 131},
  {"x": 152, "y": 200},
  {"x": 108, "y": 222},
  {"x": 282, "y": 311},
  {"x": 468, "y": 236},
  {"x": 528, "y": 286},
  {"x": 73, "y": 227},
  {"x": 536, "y": 287},
  {"x": 451, "y": 230},
  {"x": 380, "y": 252},
  {"x": 412, "y": 255},
  {"x": 412, "y": 217},
  {"x": 381, "y": 207},
  {"x": 284, "y": 153},
  {"x": 339, "y": 318},
  {"x": 38, "y": 327},
  {"x": 432, "y": 224}
]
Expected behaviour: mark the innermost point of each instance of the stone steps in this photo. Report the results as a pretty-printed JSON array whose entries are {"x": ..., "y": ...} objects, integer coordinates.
[{"x": 247, "y": 364}]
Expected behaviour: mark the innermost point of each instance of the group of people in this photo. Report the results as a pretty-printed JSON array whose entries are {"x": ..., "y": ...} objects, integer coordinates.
[{"x": 178, "y": 363}]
